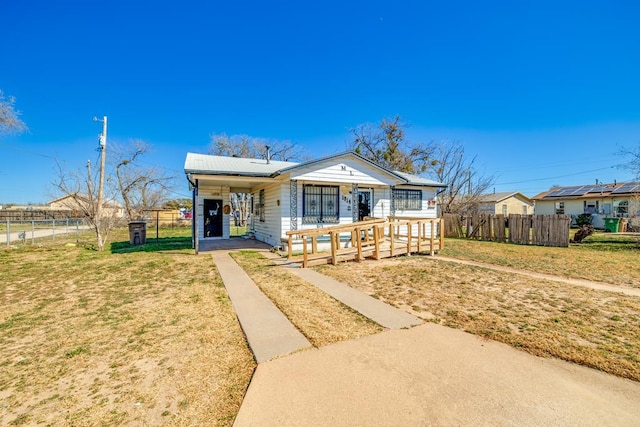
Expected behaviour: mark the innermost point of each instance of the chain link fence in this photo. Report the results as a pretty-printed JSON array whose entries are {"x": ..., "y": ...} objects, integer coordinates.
[{"x": 23, "y": 231}]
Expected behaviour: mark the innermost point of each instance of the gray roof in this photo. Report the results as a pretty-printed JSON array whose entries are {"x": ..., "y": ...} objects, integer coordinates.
[
  {"x": 236, "y": 166},
  {"x": 222, "y": 165},
  {"x": 418, "y": 180}
]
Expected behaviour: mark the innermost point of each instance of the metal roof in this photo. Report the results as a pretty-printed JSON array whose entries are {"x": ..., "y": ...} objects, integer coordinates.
[
  {"x": 222, "y": 165},
  {"x": 418, "y": 180},
  {"x": 206, "y": 164}
]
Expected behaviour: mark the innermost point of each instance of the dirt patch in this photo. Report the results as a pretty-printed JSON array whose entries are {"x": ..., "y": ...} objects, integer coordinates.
[
  {"x": 594, "y": 328},
  {"x": 599, "y": 263},
  {"x": 143, "y": 338},
  {"x": 320, "y": 318}
]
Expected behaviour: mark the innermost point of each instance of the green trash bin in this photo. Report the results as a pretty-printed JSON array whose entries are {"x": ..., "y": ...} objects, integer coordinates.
[{"x": 612, "y": 224}]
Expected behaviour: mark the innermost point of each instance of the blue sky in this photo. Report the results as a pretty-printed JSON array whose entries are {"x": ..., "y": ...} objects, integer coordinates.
[{"x": 541, "y": 92}]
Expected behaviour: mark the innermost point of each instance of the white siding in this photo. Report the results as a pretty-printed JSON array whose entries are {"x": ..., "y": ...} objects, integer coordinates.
[
  {"x": 381, "y": 202},
  {"x": 269, "y": 230},
  {"x": 347, "y": 171},
  {"x": 426, "y": 211}
]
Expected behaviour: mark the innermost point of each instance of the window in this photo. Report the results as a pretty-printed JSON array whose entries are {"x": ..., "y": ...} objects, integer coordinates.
[
  {"x": 261, "y": 206},
  {"x": 407, "y": 200},
  {"x": 504, "y": 209},
  {"x": 320, "y": 204},
  {"x": 559, "y": 208},
  {"x": 591, "y": 207},
  {"x": 621, "y": 208}
]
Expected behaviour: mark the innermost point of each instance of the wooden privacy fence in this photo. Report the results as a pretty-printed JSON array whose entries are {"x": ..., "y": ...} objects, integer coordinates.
[
  {"x": 541, "y": 230},
  {"x": 35, "y": 214},
  {"x": 374, "y": 238}
]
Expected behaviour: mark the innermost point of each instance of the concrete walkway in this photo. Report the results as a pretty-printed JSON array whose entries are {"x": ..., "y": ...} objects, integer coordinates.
[
  {"x": 626, "y": 290},
  {"x": 433, "y": 375},
  {"x": 376, "y": 310},
  {"x": 425, "y": 375},
  {"x": 269, "y": 333}
]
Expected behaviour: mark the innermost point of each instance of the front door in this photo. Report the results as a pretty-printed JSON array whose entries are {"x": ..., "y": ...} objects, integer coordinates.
[
  {"x": 212, "y": 217},
  {"x": 364, "y": 204}
]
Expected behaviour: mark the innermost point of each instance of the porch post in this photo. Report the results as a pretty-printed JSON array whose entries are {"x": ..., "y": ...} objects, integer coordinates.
[
  {"x": 293, "y": 205},
  {"x": 354, "y": 202},
  {"x": 194, "y": 218},
  {"x": 392, "y": 208}
]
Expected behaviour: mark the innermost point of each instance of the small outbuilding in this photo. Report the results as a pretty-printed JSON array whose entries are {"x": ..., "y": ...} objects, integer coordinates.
[{"x": 505, "y": 203}]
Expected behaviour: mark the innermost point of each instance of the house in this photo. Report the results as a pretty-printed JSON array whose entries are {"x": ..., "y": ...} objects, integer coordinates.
[
  {"x": 79, "y": 203},
  {"x": 505, "y": 203},
  {"x": 337, "y": 189},
  {"x": 619, "y": 199}
]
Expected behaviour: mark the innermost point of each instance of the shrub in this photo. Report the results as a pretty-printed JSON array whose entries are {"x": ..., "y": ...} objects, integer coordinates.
[{"x": 583, "y": 219}]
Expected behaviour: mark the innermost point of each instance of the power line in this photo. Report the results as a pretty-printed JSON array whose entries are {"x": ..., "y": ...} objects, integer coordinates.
[
  {"x": 555, "y": 177},
  {"x": 33, "y": 153}
]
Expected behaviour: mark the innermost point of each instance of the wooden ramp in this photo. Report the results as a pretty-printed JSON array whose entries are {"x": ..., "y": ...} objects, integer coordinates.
[{"x": 374, "y": 238}]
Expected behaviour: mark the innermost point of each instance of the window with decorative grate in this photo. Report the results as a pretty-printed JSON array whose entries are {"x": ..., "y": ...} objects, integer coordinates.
[
  {"x": 320, "y": 204},
  {"x": 407, "y": 200}
]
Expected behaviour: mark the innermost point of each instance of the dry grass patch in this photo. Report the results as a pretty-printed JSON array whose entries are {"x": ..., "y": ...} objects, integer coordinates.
[
  {"x": 609, "y": 263},
  {"x": 143, "y": 338},
  {"x": 593, "y": 328},
  {"x": 319, "y": 317}
]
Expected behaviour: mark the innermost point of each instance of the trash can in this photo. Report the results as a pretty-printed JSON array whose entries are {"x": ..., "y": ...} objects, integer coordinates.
[
  {"x": 137, "y": 232},
  {"x": 611, "y": 224}
]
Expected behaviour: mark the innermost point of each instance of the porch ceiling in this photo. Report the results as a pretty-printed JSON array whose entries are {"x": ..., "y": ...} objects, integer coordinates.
[{"x": 235, "y": 183}]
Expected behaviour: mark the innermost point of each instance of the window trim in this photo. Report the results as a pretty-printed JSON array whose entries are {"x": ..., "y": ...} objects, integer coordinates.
[
  {"x": 261, "y": 209},
  {"x": 402, "y": 201}
]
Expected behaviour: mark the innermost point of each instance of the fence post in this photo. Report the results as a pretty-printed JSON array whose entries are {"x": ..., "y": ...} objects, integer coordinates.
[
  {"x": 53, "y": 229},
  {"x": 33, "y": 232},
  {"x": 8, "y": 232}
]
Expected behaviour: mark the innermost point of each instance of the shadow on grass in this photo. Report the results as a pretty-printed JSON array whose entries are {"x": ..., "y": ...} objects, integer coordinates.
[
  {"x": 612, "y": 242},
  {"x": 163, "y": 244}
]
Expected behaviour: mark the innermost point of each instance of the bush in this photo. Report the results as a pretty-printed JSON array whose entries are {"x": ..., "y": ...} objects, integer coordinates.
[{"x": 583, "y": 219}]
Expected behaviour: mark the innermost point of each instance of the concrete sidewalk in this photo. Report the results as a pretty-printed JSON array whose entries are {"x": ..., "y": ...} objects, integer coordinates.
[
  {"x": 425, "y": 375},
  {"x": 269, "y": 333},
  {"x": 376, "y": 310},
  {"x": 433, "y": 375}
]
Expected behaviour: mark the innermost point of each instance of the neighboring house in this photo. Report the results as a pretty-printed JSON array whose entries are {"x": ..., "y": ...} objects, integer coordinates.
[
  {"x": 337, "y": 189},
  {"x": 619, "y": 199},
  {"x": 505, "y": 203},
  {"x": 79, "y": 202}
]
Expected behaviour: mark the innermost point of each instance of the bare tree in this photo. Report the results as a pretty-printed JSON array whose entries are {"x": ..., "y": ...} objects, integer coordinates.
[
  {"x": 465, "y": 184},
  {"x": 141, "y": 188},
  {"x": 81, "y": 196},
  {"x": 255, "y": 148},
  {"x": 633, "y": 160},
  {"x": 385, "y": 145},
  {"x": 10, "y": 122}
]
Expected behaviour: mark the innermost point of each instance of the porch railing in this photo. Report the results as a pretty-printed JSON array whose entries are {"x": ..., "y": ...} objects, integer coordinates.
[{"x": 373, "y": 238}]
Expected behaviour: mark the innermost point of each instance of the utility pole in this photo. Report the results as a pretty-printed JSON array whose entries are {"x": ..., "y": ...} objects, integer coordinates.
[{"x": 103, "y": 154}]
